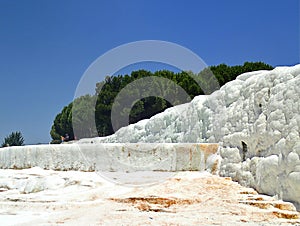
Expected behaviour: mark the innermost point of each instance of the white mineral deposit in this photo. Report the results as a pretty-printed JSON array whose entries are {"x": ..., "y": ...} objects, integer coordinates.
[{"x": 248, "y": 131}]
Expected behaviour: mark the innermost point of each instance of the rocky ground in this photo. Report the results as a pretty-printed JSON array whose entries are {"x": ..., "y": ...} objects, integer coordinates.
[{"x": 45, "y": 197}]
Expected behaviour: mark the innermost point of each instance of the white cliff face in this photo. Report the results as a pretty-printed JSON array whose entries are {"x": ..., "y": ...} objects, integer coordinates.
[
  {"x": 171, "y": 157},
  {"x": 262, "y": 129},
  {"x": 255, "y": 118}
]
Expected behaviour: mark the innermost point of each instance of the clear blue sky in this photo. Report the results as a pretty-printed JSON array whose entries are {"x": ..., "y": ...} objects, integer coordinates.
[{"x": 46, "y": 45}]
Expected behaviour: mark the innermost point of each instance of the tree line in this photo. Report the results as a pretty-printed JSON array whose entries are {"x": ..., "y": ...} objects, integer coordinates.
[{"x": 167, "y": 87}]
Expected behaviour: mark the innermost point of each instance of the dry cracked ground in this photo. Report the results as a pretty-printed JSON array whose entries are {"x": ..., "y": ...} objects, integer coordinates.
[{"x": 44, "y": 197}]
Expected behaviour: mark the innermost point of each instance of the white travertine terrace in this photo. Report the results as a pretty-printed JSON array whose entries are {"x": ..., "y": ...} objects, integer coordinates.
[{"x": 255, "y": 119}]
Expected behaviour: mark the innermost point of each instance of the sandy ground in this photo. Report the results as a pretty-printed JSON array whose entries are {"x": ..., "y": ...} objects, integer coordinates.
[{"x": 45, "y": 197}]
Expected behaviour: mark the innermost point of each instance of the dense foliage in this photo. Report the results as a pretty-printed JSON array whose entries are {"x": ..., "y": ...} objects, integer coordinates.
[
  {"x": 110, "y": 93},
  {"x": 145, "y": 107},
  {"x": 13, "y": 139},
  {"x": 226, "y": 73},
  {"x": 62, "y": 124}
]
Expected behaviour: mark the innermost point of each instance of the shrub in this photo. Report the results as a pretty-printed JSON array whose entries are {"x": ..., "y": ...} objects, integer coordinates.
[{"x": 13, "y": 139}]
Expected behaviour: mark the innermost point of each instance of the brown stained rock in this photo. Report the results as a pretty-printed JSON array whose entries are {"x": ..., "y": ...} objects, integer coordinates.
[
  {"x": 156, "y": 204},
  {"x": 267, "y": 202},
  {"x": 209, "y": 148},
  {"x": 247, "y": 192},
  {"x": 259, "y": 204},
  {"x": 227, "y": 178},
  {"x": 284, "y": 206},
  {"x": 215, "y": 168},
  {"x": 179, "y": 194},
  {"x": 143, "y": 206},
  {"x": 286, "y": 214}
]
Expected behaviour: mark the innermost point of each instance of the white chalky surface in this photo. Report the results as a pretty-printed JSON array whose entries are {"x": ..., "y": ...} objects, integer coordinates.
[
  {"x": 46, "y": 197},
  {"x": 260, "y": 109}
]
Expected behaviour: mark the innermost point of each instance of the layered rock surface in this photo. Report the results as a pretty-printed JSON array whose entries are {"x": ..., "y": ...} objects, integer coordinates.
[
  {"x": 45, "y": 197},
  {"x": 256, "y": 120},
  {"x": 113, "y": 157}
]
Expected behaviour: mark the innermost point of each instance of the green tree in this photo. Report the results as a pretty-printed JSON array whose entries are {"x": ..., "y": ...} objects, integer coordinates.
[
  {"x": 13, "y": 139},
  {"x": 98, "y": 108},
  {"x": 79, "y": 113},
  {"x": 62, "y": 124},
  {"x": 83, "y": 117},
  {"x": 225, "y": 73}
]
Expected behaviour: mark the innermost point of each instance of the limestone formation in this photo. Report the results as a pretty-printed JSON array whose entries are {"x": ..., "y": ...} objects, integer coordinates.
[{"x": 256, "y": 120}]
